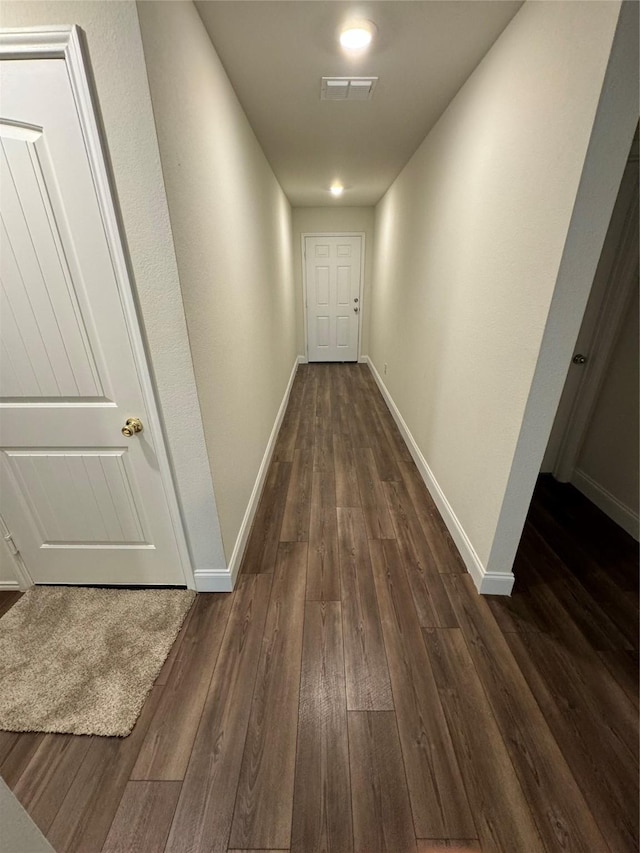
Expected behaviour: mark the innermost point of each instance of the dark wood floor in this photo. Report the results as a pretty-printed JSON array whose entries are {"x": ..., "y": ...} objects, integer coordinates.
[{"x": 355, "y": 693}]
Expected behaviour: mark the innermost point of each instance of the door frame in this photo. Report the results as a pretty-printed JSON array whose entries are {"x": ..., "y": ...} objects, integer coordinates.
[
  {"x": 68, "y": 43},
  {"x": 303, "y": 253}
]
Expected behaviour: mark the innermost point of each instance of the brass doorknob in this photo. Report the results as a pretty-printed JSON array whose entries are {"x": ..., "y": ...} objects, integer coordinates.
[{"x": 131, "y": 427}]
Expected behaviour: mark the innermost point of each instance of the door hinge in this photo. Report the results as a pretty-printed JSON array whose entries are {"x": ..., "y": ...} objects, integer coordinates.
[{"x": 11, "y": 545}]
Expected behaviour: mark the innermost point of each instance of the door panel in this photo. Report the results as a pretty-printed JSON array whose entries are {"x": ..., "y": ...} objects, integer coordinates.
[
  {"x": 39, "y": 304},
  {"x": 83, "y": 503},
  {"x": 105, "y": 509},
  {"x": 322, "y": 285},
  {"x": 333, "y": 271}
]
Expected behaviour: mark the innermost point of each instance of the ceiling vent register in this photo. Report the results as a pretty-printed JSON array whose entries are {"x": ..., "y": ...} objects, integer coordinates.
[{"x": 347, "y": 88}]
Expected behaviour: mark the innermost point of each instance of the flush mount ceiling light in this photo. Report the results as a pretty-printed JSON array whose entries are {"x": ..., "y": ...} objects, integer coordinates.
[
  {"x": 357, "y": 35},
  {"x": 336, "y": 189}
]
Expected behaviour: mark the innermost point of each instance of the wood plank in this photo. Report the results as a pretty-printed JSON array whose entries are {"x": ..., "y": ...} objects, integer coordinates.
[
  {"x": 323, "y": 447},
  {"x": 47, "y": 778},
  {"x": 367, "y": 673},
  {"x": 386, "y": 463},
  {"x": 262, "y": 816},
  {"x": 377, "y": 402},
  {"x": 165, "y": 750},
  {"x": 7, "y": 600},
  {"x": 580, "y": 607},
  {"x": 606, "y": 771},
  {"x": 347, "y": 489},
  {"x": 593, "y": 532},
  {"x": 548, "y": 784},
  {"x": 585, "y": 667},
  {"x": 430, "y": 597},
  {"x": 322, "y": 802},
  {"x": 515, "y": 613},
  {"x": 374, "y": 503},
  {"x": 295, "y": 521},
  {"x": 436, "y": 789},
  {"x": 86, "y": 814},
  {"x": 205, "y": 809},
  {"x": 286, "y": 441},
  {"x": 499, "y": 807},
  {"x": 306, "y": 425},
  {"x": 323, "y": 571},
  {"x": 445, "y": 554},
  {"x": 7, "y": 742},
  {"x": 624, "y": 667},
  {"x": 340, "y": 404},
  {"x": 143, "y": 818},
  {"x": 451, "y": 845},
  {"x": 168, "y": 665},
  {"x": 323, "y": 393},
  {"x": 584, "y": 567},
  {"x": 19, "y": 756},
  {"x": 262, "y": 547},
  {"x": 381, "y": 811},
  {"x": 359, "y": 419}
]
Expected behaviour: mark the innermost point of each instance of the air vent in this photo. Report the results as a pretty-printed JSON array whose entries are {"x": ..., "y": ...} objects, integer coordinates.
[{"x": 347, "y": 88}]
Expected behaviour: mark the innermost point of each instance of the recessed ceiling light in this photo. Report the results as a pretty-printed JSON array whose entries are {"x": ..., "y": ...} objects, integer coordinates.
[
  {"x": 357, "y": 35},
  {"x": 336, "y": 189}
]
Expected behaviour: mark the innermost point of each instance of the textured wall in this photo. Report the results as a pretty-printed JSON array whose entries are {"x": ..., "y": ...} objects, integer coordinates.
[
  {"x": 232, "y": 229},
  {"x": 468, "y": 249},
  {"x": 333, "y": 218},
  {"x": 117, "y": 60}
]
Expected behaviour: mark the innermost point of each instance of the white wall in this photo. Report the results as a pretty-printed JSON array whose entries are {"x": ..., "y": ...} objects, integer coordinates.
[
  {"x": 117, "y": 60},
  {"x": 608, "y": 464},
  {"x": 327, "y": 219},
  {"x": 232, "y": 230},
  {"x": 485, "y": 248}
]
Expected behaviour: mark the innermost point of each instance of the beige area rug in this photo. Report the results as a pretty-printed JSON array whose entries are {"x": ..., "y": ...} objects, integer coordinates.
[{"x": 82, "y": 661}]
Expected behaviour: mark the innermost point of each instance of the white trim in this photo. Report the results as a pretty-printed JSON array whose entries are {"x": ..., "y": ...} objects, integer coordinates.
[
  {"x": 216, "y": 581},
  {"x": 303, "y": 253},
  {"x": 608, "y": 503},
  {"x": 10, "y": 585},
  {"x": 35, "y": 42},
  {"x": 211, "y": 580},
  {"x": 23, "y": 578},
  {"x": 66, "y": 43},
  {"x": 488, "y": 583}
]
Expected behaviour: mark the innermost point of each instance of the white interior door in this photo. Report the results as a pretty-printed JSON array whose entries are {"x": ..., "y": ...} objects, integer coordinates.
[
  {"x": 83, "y": 503},
  {"x": 333, "y": 297}
]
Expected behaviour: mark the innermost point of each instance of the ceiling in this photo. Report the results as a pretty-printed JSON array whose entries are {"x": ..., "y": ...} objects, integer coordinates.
[{"x": 275, "y": 53}]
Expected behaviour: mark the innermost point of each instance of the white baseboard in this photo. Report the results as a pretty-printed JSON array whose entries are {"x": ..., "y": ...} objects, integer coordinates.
[
  {"x": 7, "y": 586},
  {"x": 215, "y": 581},
  {"x": 210, "y": 580},
  {"x": 608, "y": 503},
  {"x": 488, "y": 583}
]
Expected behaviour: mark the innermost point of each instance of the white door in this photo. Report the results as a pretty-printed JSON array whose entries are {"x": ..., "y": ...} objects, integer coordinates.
[
  {"x": 332, "y": 276},
  {"x": 83, "y": 503}
]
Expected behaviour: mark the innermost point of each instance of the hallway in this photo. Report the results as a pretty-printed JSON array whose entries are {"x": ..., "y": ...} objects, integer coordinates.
[{"x": 355, "y": 692}]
